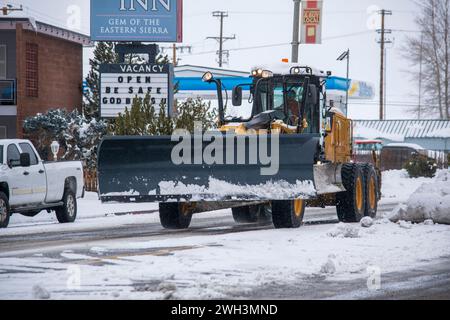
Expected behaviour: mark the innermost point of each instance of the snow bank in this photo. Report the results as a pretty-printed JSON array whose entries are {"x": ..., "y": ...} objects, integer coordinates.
[
  {"x": 398, "y": 186},
  {"x": 431, "y": 201}
]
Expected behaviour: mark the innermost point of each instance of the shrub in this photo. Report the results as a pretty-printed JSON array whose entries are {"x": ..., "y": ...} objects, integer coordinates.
[
  {"x": 77, "y": 136},
  {"x": 142, "y": 118},
  {"x": 421, "y": 166}
]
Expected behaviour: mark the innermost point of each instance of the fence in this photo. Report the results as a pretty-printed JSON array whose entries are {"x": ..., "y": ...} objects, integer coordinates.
[
  {"x": 90, "y": 180},
  {"x": 395, "y": 159}
]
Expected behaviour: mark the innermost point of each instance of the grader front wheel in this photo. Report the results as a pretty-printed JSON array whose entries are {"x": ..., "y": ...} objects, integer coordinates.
[
  {"x": 175, "y": 216},
  {"x": 288, "y": 214}
]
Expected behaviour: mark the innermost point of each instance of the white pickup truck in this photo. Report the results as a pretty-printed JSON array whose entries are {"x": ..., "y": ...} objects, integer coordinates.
[{"x": 29, "y": 185}]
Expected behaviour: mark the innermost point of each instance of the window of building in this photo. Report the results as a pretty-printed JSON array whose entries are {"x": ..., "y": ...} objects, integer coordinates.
[
  {"x": 2, "y": 61},
  {"x": 31, "y": 70},
  {"x": 26, "y": 148},
  {"x": 3, "y": 132}
]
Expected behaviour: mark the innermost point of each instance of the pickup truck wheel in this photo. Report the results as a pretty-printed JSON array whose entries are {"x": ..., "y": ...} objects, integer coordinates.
[
  {"x": 4, "y": 210},
  {"x": 176, "y": 216},
  {"x": 288, "y": 214},
  {"x": 68, "y": 212}
]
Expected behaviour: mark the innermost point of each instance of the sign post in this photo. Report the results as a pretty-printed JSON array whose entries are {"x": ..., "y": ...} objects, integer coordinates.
[{"x": 311, "y": 22}]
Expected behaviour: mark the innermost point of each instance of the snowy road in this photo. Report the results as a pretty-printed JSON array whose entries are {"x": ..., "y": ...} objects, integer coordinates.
[
  {"x": 108, "y": 256},
  {"x": 29, "y": 236}
]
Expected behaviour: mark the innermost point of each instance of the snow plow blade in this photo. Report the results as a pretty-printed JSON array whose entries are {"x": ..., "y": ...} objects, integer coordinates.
[{"x": 141, "y": 169}]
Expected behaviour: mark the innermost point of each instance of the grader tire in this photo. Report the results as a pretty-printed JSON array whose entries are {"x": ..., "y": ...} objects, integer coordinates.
[
  {"x": 174, "y": 216},
  {"x": 372, "y": 190},
  {"x": 351, "y": 204},
  {"x": 288, "y": 214}
]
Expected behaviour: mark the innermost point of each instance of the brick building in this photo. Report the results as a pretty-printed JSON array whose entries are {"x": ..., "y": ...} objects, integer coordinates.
[{"x": 41, "y": 68}]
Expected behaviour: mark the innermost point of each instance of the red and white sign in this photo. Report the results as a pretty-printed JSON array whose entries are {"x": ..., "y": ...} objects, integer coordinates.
[{"x": 311, "y": 22}]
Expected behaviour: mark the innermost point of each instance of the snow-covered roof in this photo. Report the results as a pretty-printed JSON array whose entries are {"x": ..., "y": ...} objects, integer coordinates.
[
  {"x": 399, "y": 130},
  {"x": 405, "y": 145},
  {"x": 28, "y": 23}
]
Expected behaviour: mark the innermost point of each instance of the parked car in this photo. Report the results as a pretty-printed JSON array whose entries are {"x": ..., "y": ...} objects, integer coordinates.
[
  {"x": 395, "y": 155},
  {"x": 29, "y": 185}
]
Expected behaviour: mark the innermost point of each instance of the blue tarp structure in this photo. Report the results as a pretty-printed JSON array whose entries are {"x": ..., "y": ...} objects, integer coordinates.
[{"x": 357, "y": 89}]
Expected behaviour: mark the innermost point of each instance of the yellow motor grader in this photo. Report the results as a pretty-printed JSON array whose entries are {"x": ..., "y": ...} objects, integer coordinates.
[{"x": 292, "y": 151}]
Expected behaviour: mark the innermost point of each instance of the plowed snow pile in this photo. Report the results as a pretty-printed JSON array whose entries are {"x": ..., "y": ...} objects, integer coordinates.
[
  {"x": 431, "y": 201},
  {"x": 397, "y": 186}
]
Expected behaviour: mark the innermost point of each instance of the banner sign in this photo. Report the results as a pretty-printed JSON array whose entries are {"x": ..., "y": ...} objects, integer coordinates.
[
  {"x": 311, "y": 22},
  {"x": 137, "y": 20},
  {"x": 356, "y": 89},
  {"x": 121, "y": 83}
]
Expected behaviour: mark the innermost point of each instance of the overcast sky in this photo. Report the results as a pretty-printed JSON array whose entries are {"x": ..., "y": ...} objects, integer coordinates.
[{"x": 346, "y": 24}]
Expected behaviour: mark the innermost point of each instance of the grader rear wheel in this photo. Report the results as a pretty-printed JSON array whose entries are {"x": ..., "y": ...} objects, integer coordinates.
[
  {"x": 372, "y": 192},
  {"x": 351, "y": 205}
]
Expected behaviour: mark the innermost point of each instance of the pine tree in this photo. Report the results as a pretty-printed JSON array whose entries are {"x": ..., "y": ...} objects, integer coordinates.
[{"x": 103, "y": 53}]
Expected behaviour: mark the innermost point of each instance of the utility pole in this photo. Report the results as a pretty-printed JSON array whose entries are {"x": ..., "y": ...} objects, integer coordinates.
[
  {"x": 296, "y": 31},
  {"x": 342, "y": 57},
  {"x": 9, "y": 8},
  {"x": 383, "y": 43},
  {"x": 221, "y": 39},
  {"x": 174, "y": 48}
]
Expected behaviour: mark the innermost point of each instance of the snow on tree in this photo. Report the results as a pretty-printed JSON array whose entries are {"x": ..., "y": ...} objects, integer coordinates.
[{"x": 78, "y": 136}]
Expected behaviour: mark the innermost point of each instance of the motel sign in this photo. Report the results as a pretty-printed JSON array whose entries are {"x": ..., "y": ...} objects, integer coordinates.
[{"x": 137, "y": 20}]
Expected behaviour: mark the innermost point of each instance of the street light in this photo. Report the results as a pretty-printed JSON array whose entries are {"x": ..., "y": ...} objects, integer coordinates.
[
  {"x": 55, "y": 150},
  {"x": 343, "y": 56}
]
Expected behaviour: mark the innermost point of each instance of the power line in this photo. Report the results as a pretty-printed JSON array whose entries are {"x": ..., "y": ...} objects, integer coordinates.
[
  {"x": 392, "y": 104},
  {"x": 285, "y": 43}
]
